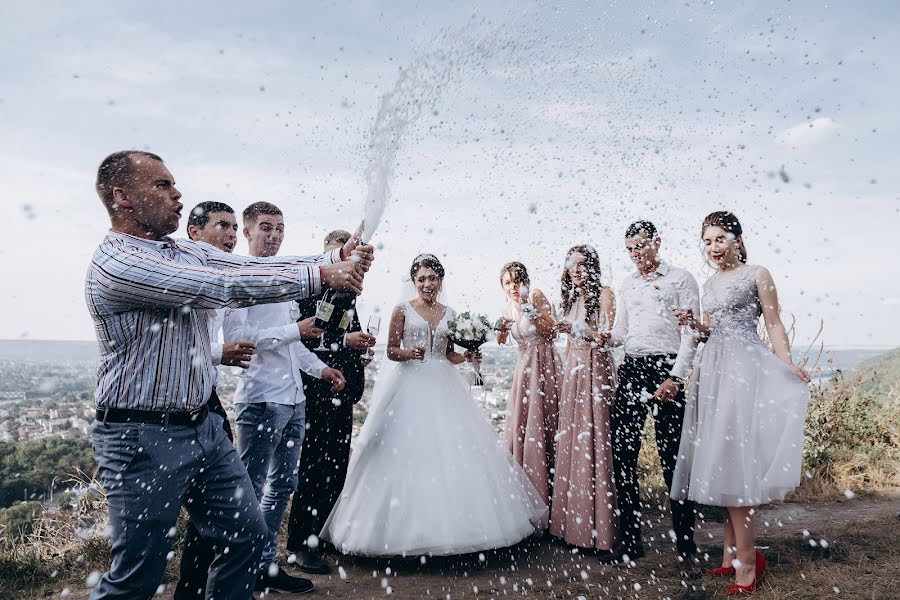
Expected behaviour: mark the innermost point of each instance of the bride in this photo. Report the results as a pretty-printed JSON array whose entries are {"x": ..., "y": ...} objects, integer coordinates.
[{"x": 428, "y": 475}]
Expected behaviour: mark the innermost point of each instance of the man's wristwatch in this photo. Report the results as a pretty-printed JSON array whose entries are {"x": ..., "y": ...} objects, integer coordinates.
[{"x": 677, "y": 380}]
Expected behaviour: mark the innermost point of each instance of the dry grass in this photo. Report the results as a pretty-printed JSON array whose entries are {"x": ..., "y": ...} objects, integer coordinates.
[
  {"x": 62, "y": 542},
  {"x": 858, "y": 563},
  {"x": 852, "y": 442}
]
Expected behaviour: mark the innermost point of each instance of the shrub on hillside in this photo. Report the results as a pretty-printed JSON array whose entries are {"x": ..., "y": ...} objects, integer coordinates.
[
  {"x": 29, "y": 468},
  {"x": 852, "y": 440},
  {"x": 17, "y": 521}
]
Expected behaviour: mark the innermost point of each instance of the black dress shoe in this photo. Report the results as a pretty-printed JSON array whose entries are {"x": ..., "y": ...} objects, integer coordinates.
[
  {"x": 689, "y": 567},
  {"x": 619, "y": 553},
  {"x": 282, "y": 582},
  {"x": 310, "y": 561}
]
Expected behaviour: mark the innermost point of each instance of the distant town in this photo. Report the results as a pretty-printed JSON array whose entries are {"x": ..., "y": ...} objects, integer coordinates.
[
  {"x": 46, "y": 388},
  {"x": 54, "y": 397}
]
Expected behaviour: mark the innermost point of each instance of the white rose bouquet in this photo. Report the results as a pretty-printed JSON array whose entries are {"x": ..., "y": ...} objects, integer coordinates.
[{"x": 470, "y": 331}]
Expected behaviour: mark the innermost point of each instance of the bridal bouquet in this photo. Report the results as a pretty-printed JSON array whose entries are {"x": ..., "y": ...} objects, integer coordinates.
[{"x": 470, "y": 331}]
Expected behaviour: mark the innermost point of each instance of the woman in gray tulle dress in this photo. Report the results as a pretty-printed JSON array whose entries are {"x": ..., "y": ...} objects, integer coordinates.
[{"x": 742, "y": 439}]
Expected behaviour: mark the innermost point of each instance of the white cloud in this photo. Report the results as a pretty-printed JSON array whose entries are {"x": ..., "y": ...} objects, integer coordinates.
[{"x": 809, "y": 133}]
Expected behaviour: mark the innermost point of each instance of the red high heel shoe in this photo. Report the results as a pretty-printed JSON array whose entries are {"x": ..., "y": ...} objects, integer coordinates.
[
  {"x": 738, "y": 590},
  {"x": 721, "y": 572}
]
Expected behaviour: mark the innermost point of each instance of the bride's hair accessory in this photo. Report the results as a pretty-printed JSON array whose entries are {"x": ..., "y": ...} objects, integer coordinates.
[{"x": 428, "y": 261}]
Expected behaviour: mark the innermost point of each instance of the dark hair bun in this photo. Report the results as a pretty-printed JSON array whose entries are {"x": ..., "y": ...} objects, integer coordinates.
[{"x": 428, "y": 261}]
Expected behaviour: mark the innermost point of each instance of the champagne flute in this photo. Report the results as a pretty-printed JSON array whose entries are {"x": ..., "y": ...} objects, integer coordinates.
[
  {"x": 374, "y": 325},
  {"x": 321, "y": 347},
  {"x": 249, "y": 333},
  {"x": 604, "y": 332},
  {"x": 372, "y": 328},
  {"x": 559, "y": 317}
]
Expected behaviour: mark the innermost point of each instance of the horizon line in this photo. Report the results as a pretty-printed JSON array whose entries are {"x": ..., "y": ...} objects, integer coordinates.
[{"x": 795, "y": 345}]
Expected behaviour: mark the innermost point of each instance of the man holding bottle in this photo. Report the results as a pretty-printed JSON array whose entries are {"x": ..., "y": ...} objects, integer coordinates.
[
  {"x": 270, "y": 403},
  {"x": 157, "y": 445},
  {"x": 329, "y": 421}
]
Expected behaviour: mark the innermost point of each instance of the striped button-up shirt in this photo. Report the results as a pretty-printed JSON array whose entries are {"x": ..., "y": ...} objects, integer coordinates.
[{"x": 148, "y": 300}]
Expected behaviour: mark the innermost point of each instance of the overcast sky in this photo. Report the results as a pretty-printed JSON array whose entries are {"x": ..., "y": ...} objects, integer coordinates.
[{"x": 588, "y": 116}]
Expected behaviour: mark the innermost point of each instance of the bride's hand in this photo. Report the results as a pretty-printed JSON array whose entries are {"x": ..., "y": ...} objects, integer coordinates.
[
  {"x": 472, "y": 356},
  {"x": 418, "y": 353}
]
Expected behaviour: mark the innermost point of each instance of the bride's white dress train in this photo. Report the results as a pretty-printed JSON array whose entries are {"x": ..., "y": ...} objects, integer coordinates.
[{"x": 428, "y": 474}]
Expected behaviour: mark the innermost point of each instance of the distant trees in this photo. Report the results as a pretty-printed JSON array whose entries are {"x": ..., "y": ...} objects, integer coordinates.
[
  {"x": 17, "y": 521},
  {"x": 28, "y": 468}
]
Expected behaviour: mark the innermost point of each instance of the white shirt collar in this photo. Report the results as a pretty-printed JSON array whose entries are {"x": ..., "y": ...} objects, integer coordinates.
[
  {"x": 166, "y": 242},
  {"x": 661, "y": 271}
]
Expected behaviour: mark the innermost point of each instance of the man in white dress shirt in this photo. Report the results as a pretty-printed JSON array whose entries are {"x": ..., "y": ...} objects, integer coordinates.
[
  {"x": 215, "y": 224},
  {"x": 269, "y": 400},
  {"x": 212, "y": 223},
  {"x": 658, "y": 356}
]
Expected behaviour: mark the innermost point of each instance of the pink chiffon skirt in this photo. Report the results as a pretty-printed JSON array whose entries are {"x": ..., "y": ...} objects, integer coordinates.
[
  {"x": 584, "y": 500},
  {"x": 533, "y": 411}
]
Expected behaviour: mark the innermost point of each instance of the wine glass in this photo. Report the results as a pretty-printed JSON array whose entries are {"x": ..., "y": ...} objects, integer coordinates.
[
  {"x": 321, "y": 347},
  {"x": 559, "y": 314},
  {"x": 374, "y": 325},
  {"x": 559, "y": 317},
  {"x": 250, "y": 331}
]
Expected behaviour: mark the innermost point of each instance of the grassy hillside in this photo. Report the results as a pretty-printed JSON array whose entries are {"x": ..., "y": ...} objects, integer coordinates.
[{"x": 881, "y": 375}]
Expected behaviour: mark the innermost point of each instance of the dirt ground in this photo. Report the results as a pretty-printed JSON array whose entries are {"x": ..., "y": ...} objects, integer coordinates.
[{"x": 860, "y": 559}]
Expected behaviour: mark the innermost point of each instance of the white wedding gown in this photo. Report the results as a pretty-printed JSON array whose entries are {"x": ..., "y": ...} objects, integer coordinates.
[{"x": 428, "y": 475}]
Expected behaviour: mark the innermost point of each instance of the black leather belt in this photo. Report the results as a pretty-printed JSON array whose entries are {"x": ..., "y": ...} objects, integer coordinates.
[{"x": 152, "y": 417}]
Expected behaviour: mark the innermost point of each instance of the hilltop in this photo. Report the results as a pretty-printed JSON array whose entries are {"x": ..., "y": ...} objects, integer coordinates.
[{"x": 881, "y": 374}]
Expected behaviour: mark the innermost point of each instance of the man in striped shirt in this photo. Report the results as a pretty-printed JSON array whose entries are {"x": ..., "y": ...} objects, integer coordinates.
[{"x": 156, "y": 445}]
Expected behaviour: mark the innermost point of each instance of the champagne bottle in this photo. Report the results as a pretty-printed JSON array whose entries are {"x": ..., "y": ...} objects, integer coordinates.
[{"x": 335, "y": 311}]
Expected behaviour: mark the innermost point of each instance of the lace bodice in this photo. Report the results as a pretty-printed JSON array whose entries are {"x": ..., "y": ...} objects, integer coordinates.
[
  {"x": 417, "y": 331},
  {"x": 732, "y": 303}
]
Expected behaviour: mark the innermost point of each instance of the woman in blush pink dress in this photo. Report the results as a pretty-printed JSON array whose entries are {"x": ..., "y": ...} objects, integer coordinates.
[
  {"x": 534, "y": 396},
  {"x": 584, "y": 501}
]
